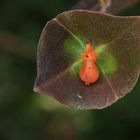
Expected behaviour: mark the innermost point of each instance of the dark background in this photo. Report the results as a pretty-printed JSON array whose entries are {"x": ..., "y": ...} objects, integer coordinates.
[{"x": 25, "y": 115}]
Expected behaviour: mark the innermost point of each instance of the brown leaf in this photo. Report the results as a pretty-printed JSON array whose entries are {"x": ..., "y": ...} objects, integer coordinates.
[{"x": 117, "y": 42}]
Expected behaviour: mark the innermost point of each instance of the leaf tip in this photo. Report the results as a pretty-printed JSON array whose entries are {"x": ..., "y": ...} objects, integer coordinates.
[{"x": 36, "y": 88}]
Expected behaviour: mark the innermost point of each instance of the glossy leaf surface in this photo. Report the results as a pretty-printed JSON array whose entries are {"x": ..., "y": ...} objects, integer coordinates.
[{"x": 116, "y": 41}]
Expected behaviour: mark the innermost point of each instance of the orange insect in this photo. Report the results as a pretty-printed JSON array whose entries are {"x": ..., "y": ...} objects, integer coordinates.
[{"x": 89, "y": 72}]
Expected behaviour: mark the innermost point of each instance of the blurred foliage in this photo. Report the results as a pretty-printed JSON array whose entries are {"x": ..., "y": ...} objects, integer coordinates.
[{"x": 25, "y": 115}]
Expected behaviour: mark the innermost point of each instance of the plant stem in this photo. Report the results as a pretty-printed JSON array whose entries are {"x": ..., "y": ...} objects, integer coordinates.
[{"x": 106, "y": 6}]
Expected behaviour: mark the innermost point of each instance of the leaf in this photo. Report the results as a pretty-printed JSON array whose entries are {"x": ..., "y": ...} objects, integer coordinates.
[{"x": 117, "y": 44}]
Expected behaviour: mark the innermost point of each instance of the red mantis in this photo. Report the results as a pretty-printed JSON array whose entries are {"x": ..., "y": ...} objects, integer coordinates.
[{"x": 89, "y": 72}]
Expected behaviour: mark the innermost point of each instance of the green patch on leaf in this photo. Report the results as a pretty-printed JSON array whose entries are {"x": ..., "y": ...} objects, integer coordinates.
[
  {"x": 107, "y": 63},
  {"x": 75, "y": 68},
  {"x": 76, "y": 45}
]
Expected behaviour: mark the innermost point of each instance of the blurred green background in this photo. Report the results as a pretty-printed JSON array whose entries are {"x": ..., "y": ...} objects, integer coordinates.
[{"x": 25, "y": 115}]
